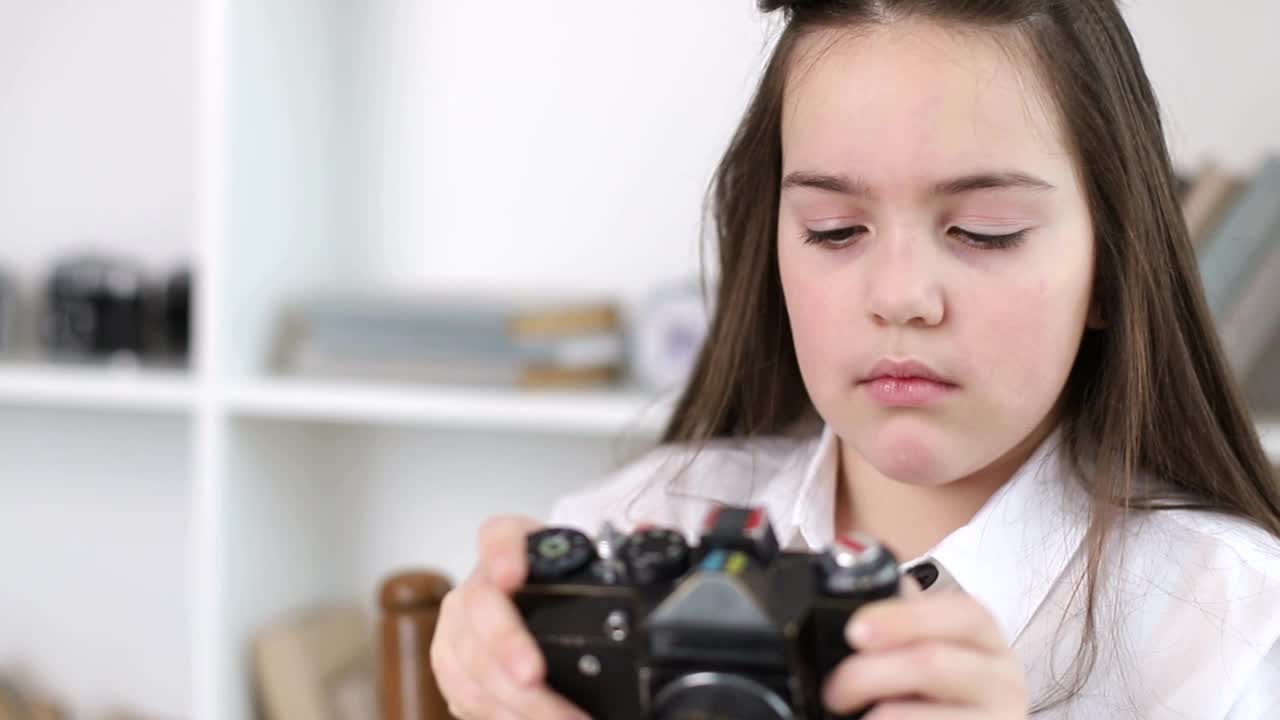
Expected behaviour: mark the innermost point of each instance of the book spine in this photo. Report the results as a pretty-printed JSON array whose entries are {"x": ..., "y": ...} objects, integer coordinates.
[
  {"x": 316, "y": 363},
  {"x": 1210, "y": 197},
  {"x": 461, "y": 319},
  {"x": 1240, "y": 241},
  {"x": 1255, "y": 318},
  {"x": 565, "y": 321},
  {"x": 593, "y": 349}
]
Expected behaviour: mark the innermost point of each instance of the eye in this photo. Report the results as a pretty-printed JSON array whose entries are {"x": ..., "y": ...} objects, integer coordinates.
[
  {"x": 989, "y": 242},
  {"x": 837, "y": 238}
]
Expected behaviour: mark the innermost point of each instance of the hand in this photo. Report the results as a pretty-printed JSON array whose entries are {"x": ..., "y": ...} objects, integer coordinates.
[
  {"x": 485, "y": 661},
  {"x": 939, "y": 656}
]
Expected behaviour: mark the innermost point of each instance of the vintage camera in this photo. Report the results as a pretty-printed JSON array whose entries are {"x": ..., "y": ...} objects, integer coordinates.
[
  {"x": 173, "y": 308},
  {"x": 101, "y": 306},
  {"x": 95, "y": 306},
  {"x": 645, "y": 626}
]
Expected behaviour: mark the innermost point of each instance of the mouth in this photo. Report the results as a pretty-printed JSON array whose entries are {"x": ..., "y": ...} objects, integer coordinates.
[
  {"x": 904, "y": 371},
  {"x": 906, "y": 384}
]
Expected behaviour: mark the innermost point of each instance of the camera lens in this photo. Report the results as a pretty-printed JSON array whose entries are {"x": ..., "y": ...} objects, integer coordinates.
[{"x": 719, "y": 696}]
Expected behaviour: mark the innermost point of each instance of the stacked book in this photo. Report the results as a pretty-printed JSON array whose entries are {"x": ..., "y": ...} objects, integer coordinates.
[
  {"x": 455, "y": 340},
  {"x": 8, "y": 310},
  {"x": 1235, "y": 224}
]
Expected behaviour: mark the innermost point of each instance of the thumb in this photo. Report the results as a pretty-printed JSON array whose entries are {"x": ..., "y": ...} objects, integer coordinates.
[{"x": 502, "y": 547}]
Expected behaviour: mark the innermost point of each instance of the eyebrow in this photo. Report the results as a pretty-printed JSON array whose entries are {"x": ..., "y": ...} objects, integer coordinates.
[{"x": 955, "y": 186}]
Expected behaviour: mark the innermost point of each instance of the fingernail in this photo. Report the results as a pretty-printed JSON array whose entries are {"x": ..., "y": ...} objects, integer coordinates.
[
  {"x": 521, "y": 667},
  {"x": 861, "y": 633}
]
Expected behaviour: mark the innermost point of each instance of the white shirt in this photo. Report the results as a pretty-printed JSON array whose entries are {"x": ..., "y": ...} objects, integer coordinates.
[{"x": 1196, "y": 633}]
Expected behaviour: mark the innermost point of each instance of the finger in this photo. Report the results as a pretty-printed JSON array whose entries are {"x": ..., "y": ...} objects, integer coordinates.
[
  {"x": 500, "y": 697},
  {"x": 492, "y": 692},
  {"x": 939, "y": 672},
  {"x": 498, "y": 627},
  {"x": 911, "y": 710},
  {"x": 502, "y": 544},
  {"x": 460, "y": 694},
  {"x": 953, "y": 617},
  {"x": 540, "y": 703},
  {"x": 462, "y": 698}
]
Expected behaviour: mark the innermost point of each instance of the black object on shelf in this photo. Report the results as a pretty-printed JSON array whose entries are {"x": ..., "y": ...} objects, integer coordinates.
[
  {"x": 95, "y": 306},
  {"x": 175, "y": 311},
  {"x": 98, "y": 306}
]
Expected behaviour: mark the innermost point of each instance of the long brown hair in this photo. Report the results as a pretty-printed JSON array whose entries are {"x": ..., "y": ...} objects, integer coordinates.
[{"x": 1149, "y": 394}]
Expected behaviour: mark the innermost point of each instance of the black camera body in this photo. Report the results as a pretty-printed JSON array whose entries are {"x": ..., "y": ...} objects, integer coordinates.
[
  {"x": 95, "y": 306},
  {"x": 99, "y": 306},
  {"x": 645, "y": 626}
]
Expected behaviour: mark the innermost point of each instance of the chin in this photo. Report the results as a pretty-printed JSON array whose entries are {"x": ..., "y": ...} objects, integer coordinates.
[
  {"x": 918, "y": 469},
  {"x": 909, "y": 451}
]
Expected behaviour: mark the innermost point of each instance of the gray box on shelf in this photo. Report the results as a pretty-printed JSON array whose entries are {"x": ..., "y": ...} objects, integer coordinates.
[
  {"x": 8, "y": 311},
  {"x": 1262, "y": 383}
]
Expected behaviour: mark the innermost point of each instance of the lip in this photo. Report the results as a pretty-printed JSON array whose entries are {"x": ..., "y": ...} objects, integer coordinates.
[
  {"x": 907, "y": 383},
  {"x": 905, "y": 370}
]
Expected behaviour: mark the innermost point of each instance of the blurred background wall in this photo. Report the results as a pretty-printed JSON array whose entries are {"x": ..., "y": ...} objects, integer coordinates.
[{"x": 157, "y": 515}]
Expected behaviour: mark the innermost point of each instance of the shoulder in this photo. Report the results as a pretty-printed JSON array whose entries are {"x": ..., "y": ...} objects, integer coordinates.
[
  {"x": 1186, "y": 619},
  {"x": 674, "y": 485},
  {"x": 1213, "y": 581},
  {"x": 1207, "y": 542},
  {"x": 1225, "y": 567}
]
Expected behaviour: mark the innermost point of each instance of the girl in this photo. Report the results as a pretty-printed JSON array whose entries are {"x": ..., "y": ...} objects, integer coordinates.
[{"x": 958, "y": 310}]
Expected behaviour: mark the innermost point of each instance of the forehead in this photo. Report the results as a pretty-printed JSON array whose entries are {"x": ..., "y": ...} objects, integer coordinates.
[{"x": 913, "y": 94}]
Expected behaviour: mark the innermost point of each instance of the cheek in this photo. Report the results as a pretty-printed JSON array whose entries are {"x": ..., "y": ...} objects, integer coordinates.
[
  {"x": 1022, "y": 351},
  {"x": 811, "y": 322},
  {"x": 816, "y": 312}
]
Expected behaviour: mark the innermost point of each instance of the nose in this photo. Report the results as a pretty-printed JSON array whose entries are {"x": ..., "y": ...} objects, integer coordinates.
[{"x": 903, "y": 281}]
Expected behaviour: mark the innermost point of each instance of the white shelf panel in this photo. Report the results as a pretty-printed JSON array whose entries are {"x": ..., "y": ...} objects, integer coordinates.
[
  {"x": 593, "y": 412},
  {"x": 96, "y": 387}
]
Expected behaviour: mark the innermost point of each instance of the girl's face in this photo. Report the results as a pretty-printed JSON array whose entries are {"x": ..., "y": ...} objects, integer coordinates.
[{"x": 930, "y": 212}]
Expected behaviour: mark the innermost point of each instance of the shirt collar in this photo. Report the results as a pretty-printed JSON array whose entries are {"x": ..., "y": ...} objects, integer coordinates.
[
  {"x": 1008, "y": 556},
  {"x": 801, "y": 500}
]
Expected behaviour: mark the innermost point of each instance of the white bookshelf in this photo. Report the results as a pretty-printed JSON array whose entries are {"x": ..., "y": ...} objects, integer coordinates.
[
  {"x": 589, "y": 413},
  {"x": 605, "y": 412},
  {"x": 125, "y": 388},
  {"x": 133, "y": 389},
  {"x": 284, "y": 145}
]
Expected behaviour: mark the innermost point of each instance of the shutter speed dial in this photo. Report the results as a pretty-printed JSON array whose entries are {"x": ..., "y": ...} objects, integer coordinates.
[
  {"x": 555, "y": 553},
  {"x": 856, "y": 563},
  {"x": 656, "y": 554}
]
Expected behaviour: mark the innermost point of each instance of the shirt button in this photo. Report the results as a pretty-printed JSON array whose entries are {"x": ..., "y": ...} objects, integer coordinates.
[{"x": 925, "y": 573}]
